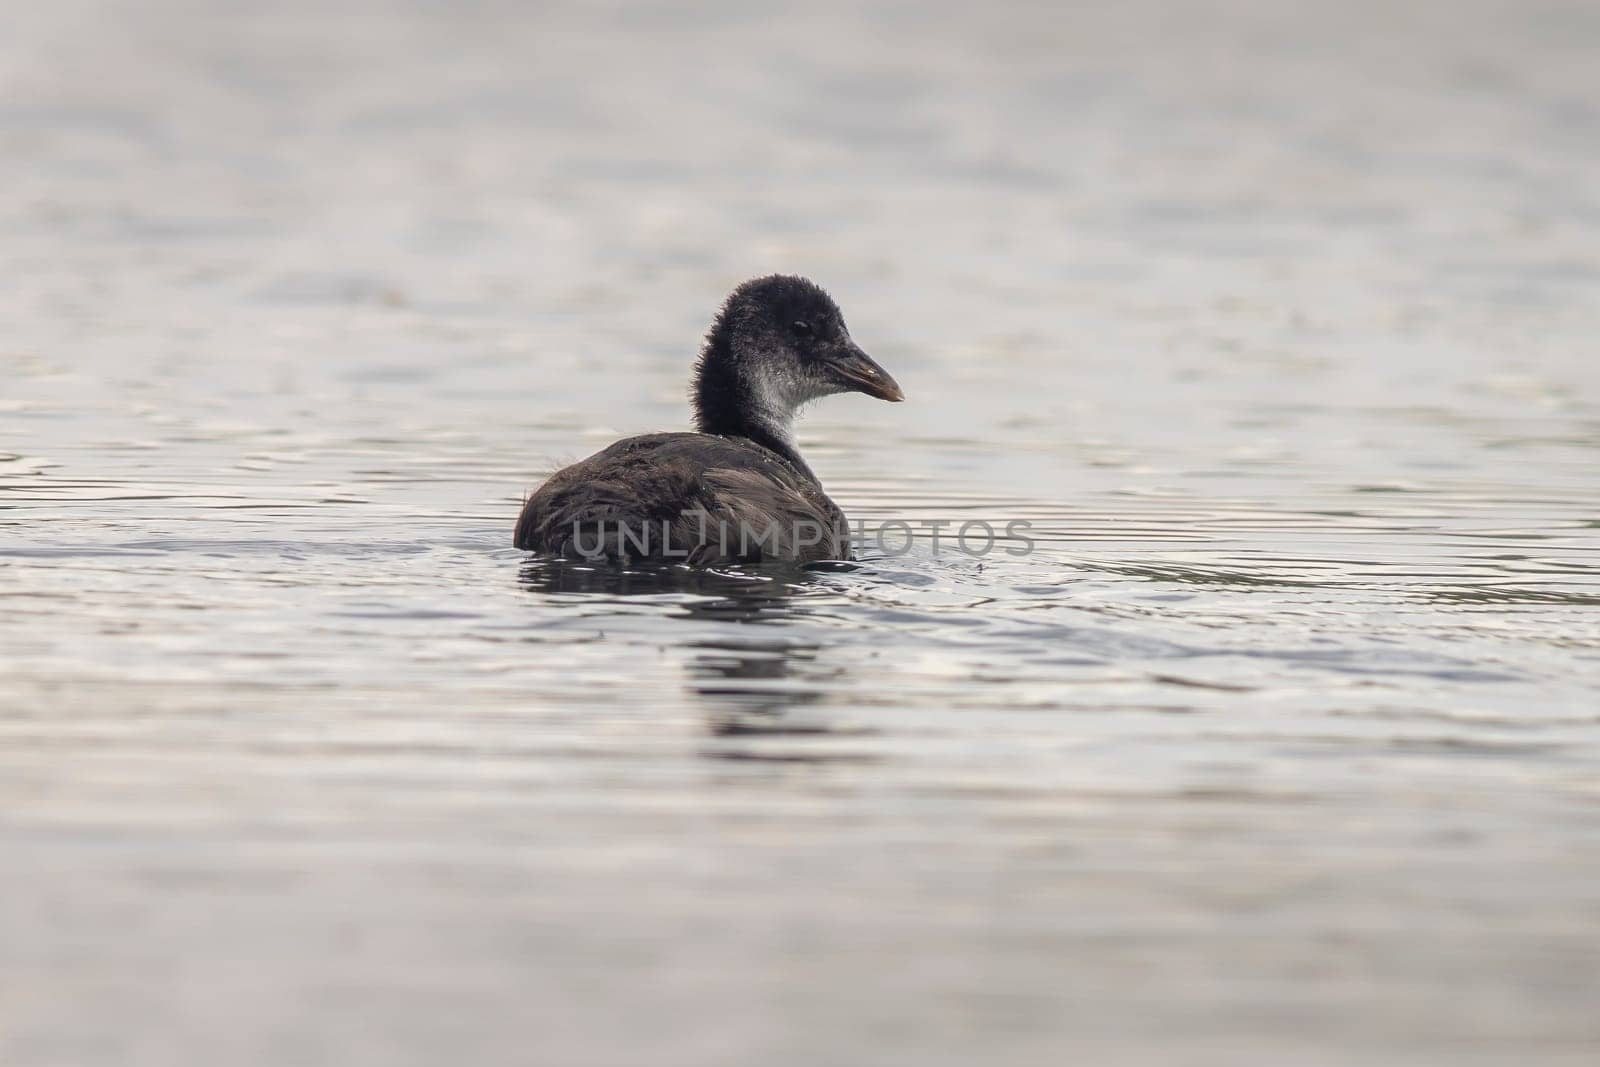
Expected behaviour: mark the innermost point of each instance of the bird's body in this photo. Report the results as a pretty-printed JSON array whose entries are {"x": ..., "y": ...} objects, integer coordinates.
[
  {"x": 689, "y": 497},
  {"x": 738, "y": 490}
]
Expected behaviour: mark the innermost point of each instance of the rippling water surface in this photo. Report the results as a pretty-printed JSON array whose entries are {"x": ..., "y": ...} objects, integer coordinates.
[{"x": 1277, "y": 322}]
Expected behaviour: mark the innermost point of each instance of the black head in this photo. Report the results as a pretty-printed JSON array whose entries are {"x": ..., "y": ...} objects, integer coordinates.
[{"x": 779, "y": 342}]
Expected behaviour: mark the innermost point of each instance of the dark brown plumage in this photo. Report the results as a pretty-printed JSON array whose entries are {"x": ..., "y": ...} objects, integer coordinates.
[{"x": 738, "y": 490}]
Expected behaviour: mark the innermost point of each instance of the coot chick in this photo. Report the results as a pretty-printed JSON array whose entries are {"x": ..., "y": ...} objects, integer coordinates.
[{"x": 736, "y": 491}]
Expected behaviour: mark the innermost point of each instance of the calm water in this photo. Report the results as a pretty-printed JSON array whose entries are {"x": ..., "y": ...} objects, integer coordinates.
[{"x": 1278, "y": 321}]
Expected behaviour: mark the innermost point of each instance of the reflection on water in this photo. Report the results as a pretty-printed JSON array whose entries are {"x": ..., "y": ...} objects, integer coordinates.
[
  {"x": 1279, "y": 747},
  {"x": 736, "y": 594},
  {"x": 763, "y": 690},
  {"x": 749, "y": 686}
]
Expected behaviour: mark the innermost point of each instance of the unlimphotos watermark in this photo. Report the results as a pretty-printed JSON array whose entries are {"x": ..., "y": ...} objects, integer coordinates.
[{"x": 695, "y": 532}]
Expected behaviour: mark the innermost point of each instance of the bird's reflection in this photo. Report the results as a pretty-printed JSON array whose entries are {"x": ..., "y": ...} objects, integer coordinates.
[
  {"x": 765, "y": 700},
  {"x": 755, "y": 685},
  {"x": 731, "y": 594},
  {"x": 750, "y": 687}
]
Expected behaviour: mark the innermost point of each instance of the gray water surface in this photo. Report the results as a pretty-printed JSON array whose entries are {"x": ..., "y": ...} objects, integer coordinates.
[{"x": 1277, "y": 321}]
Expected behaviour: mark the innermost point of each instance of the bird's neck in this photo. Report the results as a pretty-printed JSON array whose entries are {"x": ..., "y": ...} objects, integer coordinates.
[{"x": 727, "y": 403}]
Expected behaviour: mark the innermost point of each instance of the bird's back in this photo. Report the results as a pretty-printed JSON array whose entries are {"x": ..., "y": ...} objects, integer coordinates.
[{"x": 684, "y": 497}]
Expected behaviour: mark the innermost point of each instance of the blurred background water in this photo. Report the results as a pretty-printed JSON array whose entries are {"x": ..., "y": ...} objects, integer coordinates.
[{"x": 1277, "y": 320}]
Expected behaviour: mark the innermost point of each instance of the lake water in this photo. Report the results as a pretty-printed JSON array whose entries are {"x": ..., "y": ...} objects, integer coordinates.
[{"x": 1278, "y": 321}]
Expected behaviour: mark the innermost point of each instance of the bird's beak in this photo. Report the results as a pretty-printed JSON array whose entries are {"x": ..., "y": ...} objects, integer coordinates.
[{"x": 861, "y": 374}]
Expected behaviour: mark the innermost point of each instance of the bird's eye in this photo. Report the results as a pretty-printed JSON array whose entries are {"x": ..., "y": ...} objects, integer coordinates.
[{"x": 801, "y": 327}]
